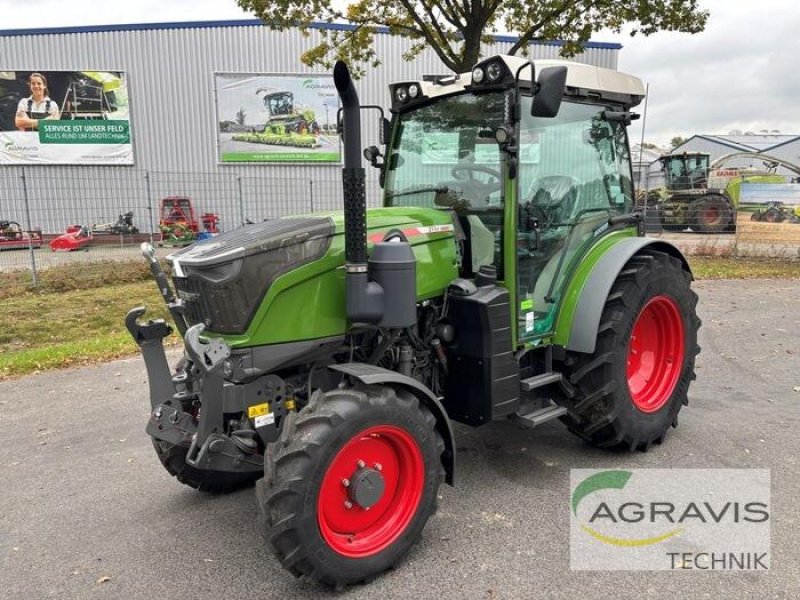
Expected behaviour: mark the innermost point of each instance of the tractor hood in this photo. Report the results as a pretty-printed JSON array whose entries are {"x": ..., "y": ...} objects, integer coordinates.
[{"x": 224, "y": 280}]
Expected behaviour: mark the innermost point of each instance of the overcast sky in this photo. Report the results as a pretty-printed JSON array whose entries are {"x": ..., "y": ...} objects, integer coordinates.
[{"x": 741, "y": 73}]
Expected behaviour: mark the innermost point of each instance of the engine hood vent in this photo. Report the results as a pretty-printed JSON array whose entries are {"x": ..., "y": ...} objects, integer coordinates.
[{"x": 223, "y": 280}]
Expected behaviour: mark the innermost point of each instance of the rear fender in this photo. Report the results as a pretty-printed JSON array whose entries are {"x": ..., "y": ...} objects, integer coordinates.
[
  {"x": 371, "y": 375},
  {"x": 593, "y": 290}
]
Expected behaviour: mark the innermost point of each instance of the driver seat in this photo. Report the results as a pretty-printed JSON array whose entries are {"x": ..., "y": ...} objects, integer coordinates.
[{"x": 555, "y": 195}]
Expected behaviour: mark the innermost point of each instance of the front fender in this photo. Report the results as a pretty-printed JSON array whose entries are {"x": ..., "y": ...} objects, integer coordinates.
[
  {"x": 370, "y": 375},
  {"x": 579, "y": 333}
]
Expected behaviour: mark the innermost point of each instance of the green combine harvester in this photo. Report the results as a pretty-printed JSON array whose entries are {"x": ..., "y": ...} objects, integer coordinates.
[
  {"x": 704, "y": 196},
  {"x": 285, "y": 126},
  {"x": 506, "y": 276}
]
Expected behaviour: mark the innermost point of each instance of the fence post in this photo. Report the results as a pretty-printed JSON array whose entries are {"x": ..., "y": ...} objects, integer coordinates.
[
  {"x": 149, "y": 204},
  {"x": 311, "y": 189},
  {"x": 34, "y": 279},
  {"x": 241, "y": 201}
]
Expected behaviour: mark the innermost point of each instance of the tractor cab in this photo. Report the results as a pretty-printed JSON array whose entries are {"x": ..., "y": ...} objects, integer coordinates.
[
  {"x": 687, "y": 171},
  {"x": 279, "y": 104},
  {"x": 528, "y": 197}
]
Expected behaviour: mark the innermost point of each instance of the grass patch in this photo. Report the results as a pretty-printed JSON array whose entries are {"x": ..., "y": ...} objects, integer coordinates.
[
  {"x": 46, "y": 330},
  {"x": 714, "y": 267},
  {"x": 76, "y": 315}
]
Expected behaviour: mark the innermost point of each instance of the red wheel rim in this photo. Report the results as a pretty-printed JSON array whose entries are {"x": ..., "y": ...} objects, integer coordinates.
[
  {"x": 352, "y": 530},
  {"x": 655, "y": 354},
  {"x": 711, "y": 215}
]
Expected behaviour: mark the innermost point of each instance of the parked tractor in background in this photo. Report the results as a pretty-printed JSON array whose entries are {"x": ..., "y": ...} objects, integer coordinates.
[
  {"x": 179, "y": 224},
  {"x": 14, "y": 237},
  {"x": 705, "y": 197},
  {"x": 287, "y": 124},
  {"x": 505, "y": 277},
  {"x": 776, "y": 212}
]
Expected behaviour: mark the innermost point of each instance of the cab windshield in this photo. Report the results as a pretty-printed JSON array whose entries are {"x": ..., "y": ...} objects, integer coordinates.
[{"x": 445, "y": 155}]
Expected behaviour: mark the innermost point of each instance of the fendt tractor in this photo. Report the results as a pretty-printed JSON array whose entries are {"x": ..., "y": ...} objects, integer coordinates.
[{"x": 506, "y": 276}]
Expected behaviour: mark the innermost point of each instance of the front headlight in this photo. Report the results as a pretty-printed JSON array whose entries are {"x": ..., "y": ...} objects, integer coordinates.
[
  {"x": 494, "y": 71},
  {"x": 401, "y": 94}
]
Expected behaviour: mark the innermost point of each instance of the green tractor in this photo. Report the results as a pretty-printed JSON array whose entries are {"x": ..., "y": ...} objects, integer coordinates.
[
  {"x": 288, "y": 125},
  {"x": 705, "y": 197},
  {"x": 505, "y": 277}
]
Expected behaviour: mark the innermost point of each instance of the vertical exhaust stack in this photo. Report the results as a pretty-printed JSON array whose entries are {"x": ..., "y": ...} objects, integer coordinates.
[{"x": 383, "y": 290}]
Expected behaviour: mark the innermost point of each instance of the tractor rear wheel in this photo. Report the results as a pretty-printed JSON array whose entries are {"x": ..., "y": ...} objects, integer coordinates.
[
  {"x": 630, "y": 390},
  {"x": 773, "y": 215},
  {"x": 214, "y": 482},
  {"x": 710, "y": 214},
  {"x": 350, "y": 483}
]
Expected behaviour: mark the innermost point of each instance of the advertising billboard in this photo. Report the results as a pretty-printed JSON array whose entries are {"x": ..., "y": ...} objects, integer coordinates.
[
  {"x": 64, "y": 118},
  {"x": 276, "y": 118}
]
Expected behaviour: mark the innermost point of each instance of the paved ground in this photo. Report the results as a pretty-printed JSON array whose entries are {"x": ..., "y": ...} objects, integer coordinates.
[{"x": 83, "y": 497}]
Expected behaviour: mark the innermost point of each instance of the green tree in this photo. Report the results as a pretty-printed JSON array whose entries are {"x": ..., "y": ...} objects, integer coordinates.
[
  {"x": 676, "y": 141},
  {"x": 454, "y": 29},
  {"x": 241, "y": 114}
]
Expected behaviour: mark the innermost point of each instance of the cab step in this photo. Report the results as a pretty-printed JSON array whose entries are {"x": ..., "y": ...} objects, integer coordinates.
[
  {"x": 538, "y": 381},
  {"x": 540, "y": 416}
]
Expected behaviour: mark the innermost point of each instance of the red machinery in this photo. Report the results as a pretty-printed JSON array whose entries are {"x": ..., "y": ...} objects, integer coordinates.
[
  {"x": 12, "y": 236},
  {"x": 77, "y": 237},
  {"x": 179, "y": 223}
]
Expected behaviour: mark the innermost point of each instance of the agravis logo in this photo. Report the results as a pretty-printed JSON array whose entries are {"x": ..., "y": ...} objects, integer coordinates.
[
  {"x": 670, "y": 518},
  {"x": 604, "y": 481}
]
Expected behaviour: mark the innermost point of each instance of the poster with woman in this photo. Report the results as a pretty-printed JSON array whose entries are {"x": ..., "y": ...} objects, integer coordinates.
[{"x": 64, "y": 118}]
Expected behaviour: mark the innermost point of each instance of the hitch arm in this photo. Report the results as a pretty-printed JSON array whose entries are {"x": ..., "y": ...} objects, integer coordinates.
[
  {"x": 149, "y": 337},
  {"x": 209, "y": 358},
  {"x": 173, "y": 304}
]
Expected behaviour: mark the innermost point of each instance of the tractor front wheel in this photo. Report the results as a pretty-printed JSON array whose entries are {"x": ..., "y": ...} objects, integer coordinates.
[
  {"x": 630, "y": 390},
  {"x": 173, "y": 458},
  {"x": 350, "y": 484}
]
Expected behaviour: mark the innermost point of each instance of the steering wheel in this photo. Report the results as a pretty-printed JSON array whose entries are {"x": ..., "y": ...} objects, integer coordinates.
[
  {"x": 465, "y": 172},
  {"x": 475, "y": 191}
]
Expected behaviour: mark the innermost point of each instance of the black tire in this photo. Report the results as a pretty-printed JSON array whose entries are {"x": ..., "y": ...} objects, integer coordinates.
[
  {"x": 213, "y": 482},
  {"x": 710, "y": 214},
  {"x": 773, "y": 215},
  {"x": 602, "y": 409},
  {"x": 293, "y": 496}
]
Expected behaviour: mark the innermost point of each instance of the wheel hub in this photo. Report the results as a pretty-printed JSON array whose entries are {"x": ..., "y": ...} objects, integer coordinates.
[
  {"x": 371, "y": 491},
  {"x": 367, "y": 487}
]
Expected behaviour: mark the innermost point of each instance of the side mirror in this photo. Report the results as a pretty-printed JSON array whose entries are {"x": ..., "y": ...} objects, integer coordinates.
[
  {"x": 385, "y": 131},
  {"x": 550, "y": 87}
]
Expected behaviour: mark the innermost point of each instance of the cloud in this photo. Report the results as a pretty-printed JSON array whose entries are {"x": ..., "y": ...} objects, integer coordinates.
[{"x": 737, "y": 74}]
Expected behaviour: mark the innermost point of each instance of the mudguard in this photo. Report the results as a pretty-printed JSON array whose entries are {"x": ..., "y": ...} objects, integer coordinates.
[
  {"x": 370, "y": 374},
  {"x": 594, "y": 293}
]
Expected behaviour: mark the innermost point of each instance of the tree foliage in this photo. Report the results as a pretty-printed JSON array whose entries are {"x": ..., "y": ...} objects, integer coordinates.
[
  {"x": 454, "y": 29},
  {"x": 676, "y": 141}
]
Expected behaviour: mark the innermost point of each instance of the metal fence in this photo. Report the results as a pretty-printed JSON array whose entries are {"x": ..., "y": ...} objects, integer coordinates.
[{"x": 53, "y": 200}]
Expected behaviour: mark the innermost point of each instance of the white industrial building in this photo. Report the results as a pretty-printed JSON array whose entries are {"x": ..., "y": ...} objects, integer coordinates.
[
  {"x": 170, "y": 70},
  {"x": 785, "y": 147}
]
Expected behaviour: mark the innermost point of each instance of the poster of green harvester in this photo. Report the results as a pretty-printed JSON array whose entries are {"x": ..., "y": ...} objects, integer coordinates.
[
  {"x": 276, "y": 118},
  {"x": 64, "y": 118}
]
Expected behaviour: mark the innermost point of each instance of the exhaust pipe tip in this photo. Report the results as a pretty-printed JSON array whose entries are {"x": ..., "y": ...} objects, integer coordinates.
[{"x": 148, "y": 251}]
